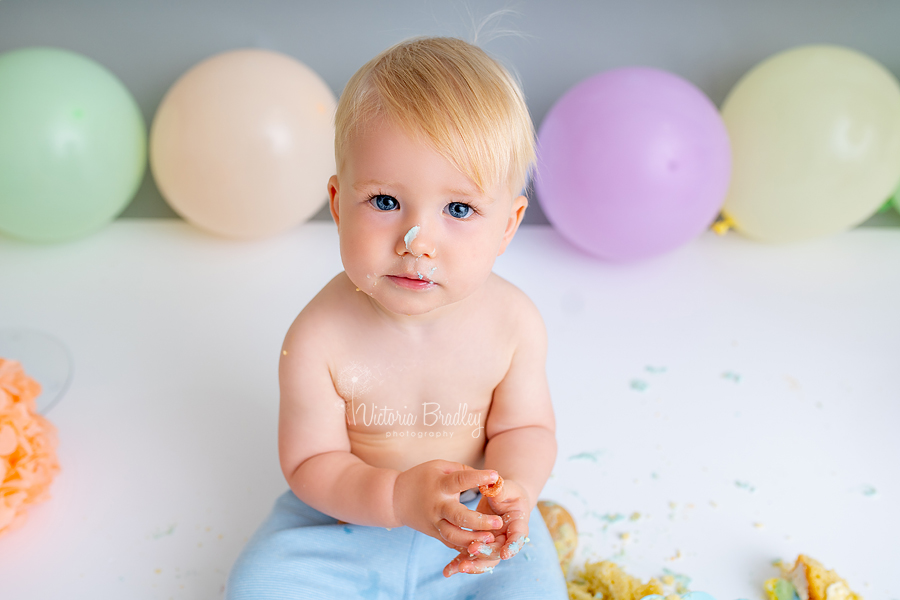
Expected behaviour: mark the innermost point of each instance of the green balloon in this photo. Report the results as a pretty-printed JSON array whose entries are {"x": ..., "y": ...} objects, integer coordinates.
[{"x": 73, "y": 145}]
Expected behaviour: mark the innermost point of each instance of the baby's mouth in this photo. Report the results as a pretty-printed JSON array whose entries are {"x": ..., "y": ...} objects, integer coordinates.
[{"x": 414, "y": 281}]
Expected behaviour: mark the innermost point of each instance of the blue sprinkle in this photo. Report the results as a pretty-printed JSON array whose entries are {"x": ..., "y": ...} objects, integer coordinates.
[
  {"x": 587, "y": 455},
  {"x": 682, "y": 582},
  {"x": 745, "y": 486},
  {"x": 347, "y": 529}
]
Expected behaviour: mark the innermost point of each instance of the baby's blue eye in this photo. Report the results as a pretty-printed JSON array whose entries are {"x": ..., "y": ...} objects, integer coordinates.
[
  {"x": 384, "y": 202},
  {"x": 459, "y": 210}
]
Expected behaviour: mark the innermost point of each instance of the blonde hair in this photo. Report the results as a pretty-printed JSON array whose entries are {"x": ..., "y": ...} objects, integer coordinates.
[{"x": 464, "y": 103}]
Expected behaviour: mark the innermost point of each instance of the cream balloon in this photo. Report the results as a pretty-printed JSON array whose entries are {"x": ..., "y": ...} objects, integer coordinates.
[
  {"x": 815, "y": 136},
  {"x": 242, "y": 145}
]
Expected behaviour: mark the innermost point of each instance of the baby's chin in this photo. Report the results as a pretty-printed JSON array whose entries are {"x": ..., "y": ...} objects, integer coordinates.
[
  {"x": 399, "y": 308},
  {"x": 428, "y": 305}
]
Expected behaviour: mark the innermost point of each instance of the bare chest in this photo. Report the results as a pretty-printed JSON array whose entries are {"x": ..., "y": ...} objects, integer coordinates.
[{"x": 435, "y": 395}]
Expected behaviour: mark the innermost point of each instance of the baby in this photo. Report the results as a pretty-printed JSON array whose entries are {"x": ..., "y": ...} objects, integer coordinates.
[{"x": 416, "y": 375}]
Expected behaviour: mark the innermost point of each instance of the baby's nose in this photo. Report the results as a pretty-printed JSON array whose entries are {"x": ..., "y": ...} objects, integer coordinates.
[{"x": 417, "y": 242}]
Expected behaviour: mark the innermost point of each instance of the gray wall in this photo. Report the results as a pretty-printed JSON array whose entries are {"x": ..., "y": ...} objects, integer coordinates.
[{"x": 554, "y": 45}]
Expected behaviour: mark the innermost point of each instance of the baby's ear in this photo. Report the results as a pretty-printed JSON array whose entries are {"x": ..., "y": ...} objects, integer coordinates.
[
  {"x": 516, "y": 214},
  {"x": 333, "y": 199}
]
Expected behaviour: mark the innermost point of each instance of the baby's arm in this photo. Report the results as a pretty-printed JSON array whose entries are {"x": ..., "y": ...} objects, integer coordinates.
[
  {"x": 521, "y": 446},
  {"x": 316, "y": 458},
  {"x": 313, "y": 445}
]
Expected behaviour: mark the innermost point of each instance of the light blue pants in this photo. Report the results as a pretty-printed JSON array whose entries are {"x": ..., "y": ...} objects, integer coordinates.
[{"x": 300, "y": 553}]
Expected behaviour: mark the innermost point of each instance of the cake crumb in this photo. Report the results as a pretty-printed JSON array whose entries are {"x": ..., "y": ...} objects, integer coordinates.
[
  {"x": 607, "y": 580},
  {"x": 807, "y": 579}
]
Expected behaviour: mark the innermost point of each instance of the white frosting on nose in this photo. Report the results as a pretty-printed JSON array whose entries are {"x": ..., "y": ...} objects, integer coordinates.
[{"x": 410, "y": 236}]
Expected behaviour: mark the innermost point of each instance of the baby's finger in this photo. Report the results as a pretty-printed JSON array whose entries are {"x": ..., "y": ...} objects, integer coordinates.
[
  {"x": 461, "y": 516},
  {"x": 457, "y": 538},
  {"x": 453, "y": 567},
  {"x": 481, "y": 549},
  {"x": 462, "y": 565},
  {"x": 516, "y": 533},
  {"x": 476, "y": 566},
  {"x": 511, "y": 549},
  {"x": 467, "y": 478}
]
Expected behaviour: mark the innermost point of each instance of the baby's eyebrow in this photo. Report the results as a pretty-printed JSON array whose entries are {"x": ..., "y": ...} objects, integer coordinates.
[
  {"x": 472, "y": 194},
  {"x": 467, "y": 192},
  {"x": 372, "y": 183}
]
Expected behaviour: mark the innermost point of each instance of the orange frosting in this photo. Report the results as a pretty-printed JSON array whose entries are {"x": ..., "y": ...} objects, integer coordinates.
[
  {"x": 28, "y": 461},
  {"x": 492, "y": 489}
]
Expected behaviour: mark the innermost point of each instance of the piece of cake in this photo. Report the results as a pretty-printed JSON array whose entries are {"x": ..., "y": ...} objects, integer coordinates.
[
  {"x": 562, "y": 531},
  {"x": 808, "y": 579},
  {"x": 606, "y": 580}
]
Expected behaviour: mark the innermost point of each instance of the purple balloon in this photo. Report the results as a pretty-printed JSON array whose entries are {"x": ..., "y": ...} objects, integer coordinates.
[{"x": 632, "y": 163}]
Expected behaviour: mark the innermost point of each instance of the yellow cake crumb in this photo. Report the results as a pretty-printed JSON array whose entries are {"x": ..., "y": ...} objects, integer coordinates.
[
  {"x": 607, "y": 581},
  {"x": 678, "y": 555},
  {"x": 810, "y": 580}
]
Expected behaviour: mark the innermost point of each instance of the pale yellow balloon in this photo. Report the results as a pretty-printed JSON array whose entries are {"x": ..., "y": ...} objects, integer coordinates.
[
  {"x": 815, "y": 135},
  {"x": 242, "y": 145}
]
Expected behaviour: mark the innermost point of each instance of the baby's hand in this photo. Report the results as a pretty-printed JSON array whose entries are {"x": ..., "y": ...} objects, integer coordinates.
[
  {"x": 426, "y": 498},
  {"x": 512, "y": 505}
]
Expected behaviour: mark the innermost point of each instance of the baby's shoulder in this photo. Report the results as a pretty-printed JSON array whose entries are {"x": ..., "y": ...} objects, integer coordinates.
[
  {"x": 512, "y": 307},
  {"x": 326, "y": 314}
]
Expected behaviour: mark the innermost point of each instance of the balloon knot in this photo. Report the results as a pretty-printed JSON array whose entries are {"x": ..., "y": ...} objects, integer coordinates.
[{"x": 723, "y": 224}]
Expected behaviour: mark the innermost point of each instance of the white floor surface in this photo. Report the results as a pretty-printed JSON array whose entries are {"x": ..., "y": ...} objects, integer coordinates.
[{"x": 718, "y": 407}]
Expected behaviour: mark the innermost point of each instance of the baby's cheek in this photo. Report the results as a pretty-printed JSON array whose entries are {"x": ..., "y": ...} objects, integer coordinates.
[{"x": 363, "y": 282}]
